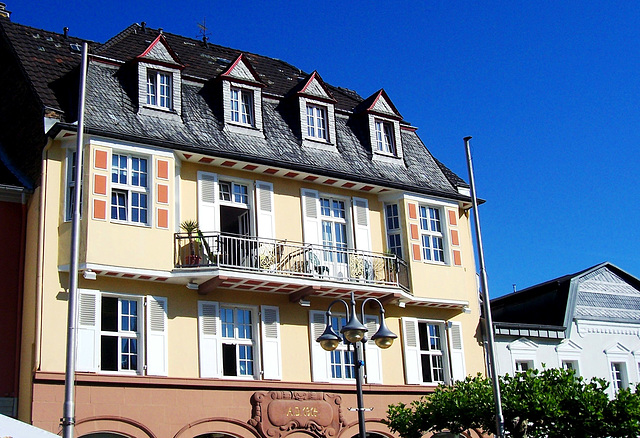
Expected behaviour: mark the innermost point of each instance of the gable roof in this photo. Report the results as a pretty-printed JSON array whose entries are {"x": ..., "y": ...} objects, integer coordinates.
[
  {"x": 602, "y": 292},
  {"x": 112, "y": 108}
]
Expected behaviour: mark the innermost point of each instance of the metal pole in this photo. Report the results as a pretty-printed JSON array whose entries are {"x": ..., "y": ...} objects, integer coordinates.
[
  {"x": 485, "y": 300},
  {"x": 68, "y": 419},
  {"x": 359, "y": 361}
]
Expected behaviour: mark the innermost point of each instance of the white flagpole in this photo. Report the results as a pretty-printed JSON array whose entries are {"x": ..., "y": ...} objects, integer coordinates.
[
  {"x": 68, "y": 419},
  {"x": 485, "y": 300}
]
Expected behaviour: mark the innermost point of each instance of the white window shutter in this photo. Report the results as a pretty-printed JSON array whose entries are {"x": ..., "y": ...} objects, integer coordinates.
[
  {"x": 264, "y": 202},
  {"x": 157, "y": 338},
  {"x": 373, "y": 359},
  {"x": 88, "y": 338},
  {"x": 271, "y": 356},
  {"x": 319, "y": 357},
  {"x": 456, "y": 351},
  {"x": 207, "y": 202},
  {"x": 361, "y": 224},
  {"x": 311, "y": 216},
  {"x": 411, "y": 345},
  {"x": 209, "y": 338}
]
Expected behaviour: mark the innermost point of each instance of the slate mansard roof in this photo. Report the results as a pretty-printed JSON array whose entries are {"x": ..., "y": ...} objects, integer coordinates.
[
  {"x": 600, "y": 293},
  {"x": 50, "y": 63}
]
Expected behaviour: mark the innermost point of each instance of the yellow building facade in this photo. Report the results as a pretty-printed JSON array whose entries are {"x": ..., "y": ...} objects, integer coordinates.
[{"x": 207, "y": 267}]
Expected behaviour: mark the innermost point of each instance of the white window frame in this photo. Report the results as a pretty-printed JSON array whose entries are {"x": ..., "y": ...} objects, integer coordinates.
[
  {"x": 523, "y": 365},
  {"x": 159, "y": 94},
  {"x": 317, "y": 122},
  {"x": 336, "y": 253},
  {"x": 429, "y": 233},
  {"x": 238, "y": 126},
  {"x": 172, "y": 108},
  {"x": 385, "y": 137},
  {"x": 379, "y": 149},
  {"x": 346, "y": 354},
  {"x": 124, "y": 334},
  {"x": 414, "y": 352},
  {"x": 394, "y": 231},
  {"x": 242, "y": 107},
  {"x": 253, "y": 342},
  {"x": 619, "y": 375},
  {"x": 128, "y": 189},
  {"x": 523, "y": 350},
  {"x": 327, "y": 141}
]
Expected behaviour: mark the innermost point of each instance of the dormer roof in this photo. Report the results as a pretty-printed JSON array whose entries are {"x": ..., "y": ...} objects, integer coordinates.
[
  {"x": 380, "y": 104},
  {"x": 160, "y": 52},
  {"x": 315, "y": 88},
  {"x": 241, "y": 70}
]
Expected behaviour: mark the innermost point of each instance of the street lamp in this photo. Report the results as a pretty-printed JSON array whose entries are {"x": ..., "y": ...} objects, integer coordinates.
[{"x": 353, "y": 333}]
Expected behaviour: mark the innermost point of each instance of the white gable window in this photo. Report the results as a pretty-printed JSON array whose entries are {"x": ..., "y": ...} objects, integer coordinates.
[
  {"x": 316, "y": 122},
  {"x": 115, "y": 334},
  {"x": 385, "y": 137},
  {"x": 241, "y": 106},
  {"x": 384, "y": 127},
  {"x": 159, "y": 89},
  {"x": 159, "y": 81},
  {"x": 229, "y": 345}
]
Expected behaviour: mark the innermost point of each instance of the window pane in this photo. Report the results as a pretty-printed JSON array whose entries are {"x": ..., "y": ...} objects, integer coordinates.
[
  {"x": 226, "y": 316},
  {"x": 426, "y": 368},
  {"x": 109, "y": 353},
  {"x": 109, "y": 314},
  {"x": 229, "y": 363}
]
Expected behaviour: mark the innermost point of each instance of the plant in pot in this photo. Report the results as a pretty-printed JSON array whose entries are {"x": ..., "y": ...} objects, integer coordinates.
[{"x": 192, "y": 257}]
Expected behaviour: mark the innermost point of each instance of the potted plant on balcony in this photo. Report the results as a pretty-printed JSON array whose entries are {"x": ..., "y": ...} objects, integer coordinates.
[{"x": 192, "y": 257}]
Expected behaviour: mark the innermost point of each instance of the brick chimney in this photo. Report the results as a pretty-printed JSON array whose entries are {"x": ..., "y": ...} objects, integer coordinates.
[{"x": 3, "y": 11}]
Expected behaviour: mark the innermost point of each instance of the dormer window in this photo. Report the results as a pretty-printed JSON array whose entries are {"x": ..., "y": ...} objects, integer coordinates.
[
  {"x": 159, "y": 89},
  {"x": 385, "y": 137},
  {"x": 317, "y": 113},
  {"x": 317, "y": 122},
  {"x": 242, "y": 94},
  {"x": 242, "y": 108},
  {"x": 159, "y": 81},
  {"x": 384, "y": 127}
]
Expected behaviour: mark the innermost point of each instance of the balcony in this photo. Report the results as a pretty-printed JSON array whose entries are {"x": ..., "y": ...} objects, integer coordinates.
[{"x": 288, "y": 260}]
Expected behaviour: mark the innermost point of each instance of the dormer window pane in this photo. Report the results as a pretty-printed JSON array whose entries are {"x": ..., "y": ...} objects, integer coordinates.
[
  {"x": 241, "y": 104},
  {"x": 316, "y": 122},
  {"x": 159, "y": 89},
  {"x": 385, "y": 141}
]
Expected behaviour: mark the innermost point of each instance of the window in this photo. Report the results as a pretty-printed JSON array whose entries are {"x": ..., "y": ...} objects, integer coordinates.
[
  {"x": 385, "y": 137},
  {"x": 570, "y": 365},
  {"x": 431, "y": 353},
  {"x": 431, "y": 234},
  {"x": 241, "y": 102},
  {"x": 228, "y": 335},
  {"x": 338, "y": 366},
  {"x": 238, "y": 341},
  {"x": 334, "y": 229},
  {"x": 129, "y": 192},
  {"x": 394, "y": 241},
  {"x": 342, "y": 361},
  {"x": 316, "y": 122},
  {"x": 71, "y": 186},
  {"x": 619, "y": 375},
  {"x": 120, "y": 334},
  {"x": 159, "y": 89},
  {"x": 523, "y": 365}
]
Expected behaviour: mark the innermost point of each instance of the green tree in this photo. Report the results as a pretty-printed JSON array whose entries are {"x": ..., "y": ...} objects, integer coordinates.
[{"x": 552, "y": 403}]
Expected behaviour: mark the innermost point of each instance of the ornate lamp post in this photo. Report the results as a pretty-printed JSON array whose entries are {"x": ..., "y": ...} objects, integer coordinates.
[{"x": 354, "y": 333}]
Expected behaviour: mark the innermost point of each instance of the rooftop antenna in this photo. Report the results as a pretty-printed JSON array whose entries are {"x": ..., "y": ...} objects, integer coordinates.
[{"x": 203, "y": 31}]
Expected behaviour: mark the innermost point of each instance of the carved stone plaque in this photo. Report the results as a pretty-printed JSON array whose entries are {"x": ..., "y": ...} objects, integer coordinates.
[{"x": 279, "y": 413}]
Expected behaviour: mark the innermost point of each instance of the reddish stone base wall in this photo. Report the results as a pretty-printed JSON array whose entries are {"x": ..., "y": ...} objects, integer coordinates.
[{"x": 143, "y": 407}]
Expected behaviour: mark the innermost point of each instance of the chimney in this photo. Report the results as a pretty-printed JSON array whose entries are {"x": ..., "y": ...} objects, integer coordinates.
[
  {"x": 3, "y": 11},
  {"x": 143, "y": 24},
  {"x": 66, "y": 32}
]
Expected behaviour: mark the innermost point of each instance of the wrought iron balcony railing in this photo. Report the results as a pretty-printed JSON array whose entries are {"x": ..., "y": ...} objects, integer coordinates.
[{"x": 281, "y": 257}]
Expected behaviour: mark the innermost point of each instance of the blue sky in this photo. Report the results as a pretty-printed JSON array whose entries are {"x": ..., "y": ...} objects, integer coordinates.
[{"x": 549, "y": 91}]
